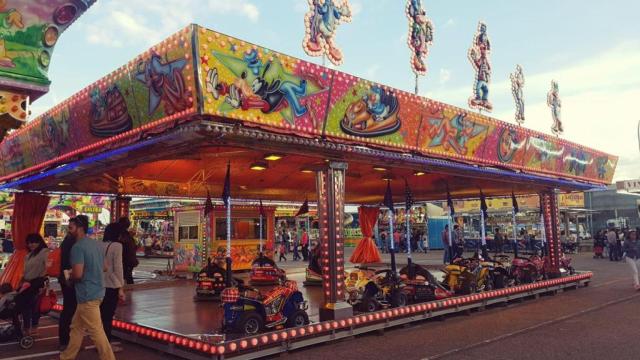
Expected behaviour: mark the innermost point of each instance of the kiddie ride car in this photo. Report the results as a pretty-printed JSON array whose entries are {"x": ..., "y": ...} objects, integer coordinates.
[
  {"x": 247, "y": 311},
  {"x": 420, "y": 285},
  {"x": 264, "y": 271},
  {"x": 313, "y": 272},
  {"x": 466, "y": 276},
  {"x": 527, "y": 270},
  {"x": 210, "y": 282}
]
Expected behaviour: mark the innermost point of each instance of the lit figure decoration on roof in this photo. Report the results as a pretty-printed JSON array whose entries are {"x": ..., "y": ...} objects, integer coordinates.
[
  {"x": 478, "y": 54},
  {"x": 553, "y": 100},
  {"x": 420, "y": 36},
  {"x": 321, "y": 23},
  {"x": 517, "y": 83}
]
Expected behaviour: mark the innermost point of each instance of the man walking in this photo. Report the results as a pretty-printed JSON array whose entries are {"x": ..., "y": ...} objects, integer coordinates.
[
  {"x": 446, "y": 243},
  {"x": 87, "y": 263},
  {"x": 129, "y": 258},
  {"x": 68, "y": 292},
  {"x": 612, "y": 240}
]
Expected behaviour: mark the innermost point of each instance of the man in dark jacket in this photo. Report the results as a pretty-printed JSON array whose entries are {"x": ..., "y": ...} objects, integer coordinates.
[
  {"x": 129, "y": 259},
  {"x": 68, "y": 292}
]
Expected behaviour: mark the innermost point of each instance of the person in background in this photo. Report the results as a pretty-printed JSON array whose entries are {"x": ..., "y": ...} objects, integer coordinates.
[
  {"x": 612, "y": 239},
  {"x": 498, "y": 241},
  {"x": 458, "y": 240},
  {"x": 7, "y": 244},
  {"x": 129, "y": 258},
  {"x": 35, "y": 276},
  {"x": 87, "y": 262},
  {"x": 68, "y": 292},
  {"x": 113, "y": 279},
  {"x": 283, "y": 246},
  {"x": 632, "y": 256},
  {"x": 446, "y": 243},
  {"x": 425, "y": 241},
  {"x": 305, "y": 244},
  {"x": 294, "y": 240}
]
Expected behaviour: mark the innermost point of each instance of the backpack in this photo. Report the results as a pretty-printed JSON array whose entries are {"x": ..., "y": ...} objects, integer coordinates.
[{"x": 54, "y": 262}]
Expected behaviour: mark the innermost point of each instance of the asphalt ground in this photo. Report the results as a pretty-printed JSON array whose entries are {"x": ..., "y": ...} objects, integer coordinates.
[{"x": 597, "y": 322}]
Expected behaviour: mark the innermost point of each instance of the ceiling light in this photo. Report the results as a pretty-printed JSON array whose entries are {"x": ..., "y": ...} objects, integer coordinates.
[
  {"x": 388, "y": 176},
  {"x": 379, "y": 168},
  {"x": 259, "y": 166},
  {"x": 418, "y": 173},
  {"x": 306, "y": 170},
  {"x": 273, "y": 157},
  {"x": 63, "y": 184},
  {"x": 243, "y": 187}
]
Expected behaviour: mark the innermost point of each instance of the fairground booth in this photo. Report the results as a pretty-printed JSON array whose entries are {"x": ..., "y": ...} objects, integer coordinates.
[{"x": 203, "y": 113}]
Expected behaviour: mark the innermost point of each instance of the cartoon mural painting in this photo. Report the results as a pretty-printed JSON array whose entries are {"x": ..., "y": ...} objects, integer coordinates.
[
  {"x": 321, "y": 22},
  {"x": 553, "y": 100},
  {"x": 508, "y": 144},
  {"x": 13, "y": 111},
  {"x": 375, "y": 114},
  {"x": 478, "y": 55},
  {"x": 166, "y": 84},
  {"x": 9, "y": 19},
  {"x": 109, "y": 113},
  {"x": 453, "y": 134},
  {"x": 420, "y": 36},
  {"x": 577, "y": 161},
  {"x": 517, "y": 84},
  {"x": 263, "y": 85}
]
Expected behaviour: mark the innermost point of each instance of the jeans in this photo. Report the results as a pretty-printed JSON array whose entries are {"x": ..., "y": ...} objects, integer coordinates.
[
  {"x": 28, "y": 304},
  {"x": 634, "y": 264},
  {"x": 128, "y": 275},
  {"x": 108, "y": 309},
  {"x": 447, "y": 255},
  {"x": 87, "y": 320},
  {"x": 613, "y": 252},
  {"x": 70, "y": 303}
]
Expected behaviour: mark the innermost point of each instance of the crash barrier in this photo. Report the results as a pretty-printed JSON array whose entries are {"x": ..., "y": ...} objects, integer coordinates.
[{"x": 279, "y": 341}]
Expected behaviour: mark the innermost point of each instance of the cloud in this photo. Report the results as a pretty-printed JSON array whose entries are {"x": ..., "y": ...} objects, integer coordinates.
[
  {"x": 243, "y": 7},
  {"x": 372, "y": 71},
  {"x": 300, "y": 6},
  {"x": 445, "y": 75},
  {"x": 356, "y": 8},
  {"x": 450, "y": 22},
  {"x": 598, "y": 102}
]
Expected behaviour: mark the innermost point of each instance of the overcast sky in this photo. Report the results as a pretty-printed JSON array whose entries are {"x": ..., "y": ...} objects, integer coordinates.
[{"x": 592, "y": 48}]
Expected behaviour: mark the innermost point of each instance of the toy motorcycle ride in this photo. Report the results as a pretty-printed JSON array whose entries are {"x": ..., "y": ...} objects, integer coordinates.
[
  {"x": 420, "y": 285},
  {"x": 247, "y": 311},
  {"x": 264, "y": 271},
  {"x": 313, "y": 272},
  {"x": 380, "y": 290},
  {"x": 210, "y": 282},
  {"x": 527, "y": 270},
  {"x": 498, "y": 271},
  {"x": 466, "y": 276}
]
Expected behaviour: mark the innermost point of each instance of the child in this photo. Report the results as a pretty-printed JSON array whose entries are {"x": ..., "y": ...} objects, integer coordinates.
[
  {"x": 7, "y": 295},
  {"x": 283, "y": 251}
]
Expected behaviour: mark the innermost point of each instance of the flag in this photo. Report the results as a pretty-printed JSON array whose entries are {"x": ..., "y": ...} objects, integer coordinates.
[
  {"x": 226, "y": 191},
  {"x": 304, "y": 208},
  {"x": 514, "y": 202},
  {"x": 208, "y": 205},
  {"x": 388, "y": 197},
  {"x": 452, "y": 211},
  {"x": 408, "y": 196},
  {"x": 261, "y": 210},
  {"x": 483, "y": 204}
]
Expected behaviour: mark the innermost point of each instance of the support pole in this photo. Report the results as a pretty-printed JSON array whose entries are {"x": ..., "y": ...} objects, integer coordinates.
[
  {"x": 392, "y": 246},
  {"x": 260, "y": 235},
  {"x": 483, "y": 234},
  {"x": 549, "y": 205},
  {"x": 228, "y": 259},
  {"x": 515, "y": 233},
  {"x": 408, "y": 227},
  {"x": 450, "y": 244},
  {"x": 330, "y": 185}
]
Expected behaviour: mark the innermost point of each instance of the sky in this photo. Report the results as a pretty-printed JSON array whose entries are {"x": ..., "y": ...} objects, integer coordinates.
[{"x": 592, "y": 48}]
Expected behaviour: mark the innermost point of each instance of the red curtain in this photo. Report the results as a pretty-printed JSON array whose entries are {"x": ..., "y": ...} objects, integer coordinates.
[
  {"x": 366, "y": 252},
  {"x": 28, "y": 214}
]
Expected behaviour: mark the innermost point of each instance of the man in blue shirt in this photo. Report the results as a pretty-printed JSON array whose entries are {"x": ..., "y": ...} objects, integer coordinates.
[{"x": 87, "y": 261}]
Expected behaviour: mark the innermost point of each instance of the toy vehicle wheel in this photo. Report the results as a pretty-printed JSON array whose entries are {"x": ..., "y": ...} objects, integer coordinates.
[
  {"x": 398, "y": 298},
  {"x": 249, "y": 324},
  {"x": 299, "y": 318},
  {"x": 368, "y": 304},
  {"x": 26, "y": 342},
  {"x": 498, "y": 281}
]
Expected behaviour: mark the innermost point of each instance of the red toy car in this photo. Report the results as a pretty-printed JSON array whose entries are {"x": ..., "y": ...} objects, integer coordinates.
[{"x": 264, "y": 271}]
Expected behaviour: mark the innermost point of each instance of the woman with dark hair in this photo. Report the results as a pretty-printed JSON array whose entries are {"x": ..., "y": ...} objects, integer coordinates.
[
  {"x": 113, "y": 278},
  {"x": 33, "y": 280}
]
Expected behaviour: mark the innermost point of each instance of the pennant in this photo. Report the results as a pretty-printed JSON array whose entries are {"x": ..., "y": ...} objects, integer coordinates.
[
  {"x": 408, "y": 196},
  {"x": 452, "y": 211},
  {"x": 226, "y": 191},
  {"x": 483, "y": 204},
  {"x": 303, "y": 209},
  {"x": 514, "y": 203},
  {"x": 388, "y": 197},
  {"x": 208, "y": 205}
]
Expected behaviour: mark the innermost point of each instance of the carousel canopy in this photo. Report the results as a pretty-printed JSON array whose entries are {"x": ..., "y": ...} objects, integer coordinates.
[{"x": 168, "y": 122}]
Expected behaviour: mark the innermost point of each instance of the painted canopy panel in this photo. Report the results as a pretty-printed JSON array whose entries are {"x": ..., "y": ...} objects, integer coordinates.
[
  {"x": 259, "y": 86},
  {"x": 154, "y": 86}
]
